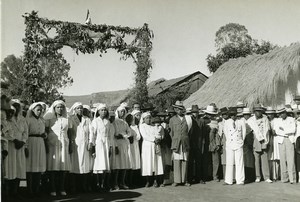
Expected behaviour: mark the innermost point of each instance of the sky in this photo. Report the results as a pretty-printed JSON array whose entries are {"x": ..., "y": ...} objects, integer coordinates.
[{"x": 184, "y": 33}]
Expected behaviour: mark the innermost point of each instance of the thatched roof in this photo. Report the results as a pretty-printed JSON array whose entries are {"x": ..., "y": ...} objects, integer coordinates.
[
  {"x": 256, "y": 78},
  {"x": 161, "y": 85}
]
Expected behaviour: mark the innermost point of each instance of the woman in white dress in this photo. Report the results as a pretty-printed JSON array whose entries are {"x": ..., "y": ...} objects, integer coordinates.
[
  {"x": 36, "y": 160},
  {"x": 121, "y": 161},
  {"x": 135, "y": 156},
  {"x": 151, "y": 160},
  {"x": 102, "y": 140},
  {"x": 12, "y": 150},
  {"x": 80, "y": 158},
  {"x": 59, "y": 143},
  {"x": 21, "y": 135}
]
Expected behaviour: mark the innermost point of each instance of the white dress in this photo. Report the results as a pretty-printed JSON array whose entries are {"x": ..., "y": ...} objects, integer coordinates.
[
  {"x": 58, "y": 158},
  {"x": 80, "y": 158},
  {"x": 151, "y": 161},
  {"x": 21, "y": 133},
  {"x": 12, "y": 152},
  {"x": 36, "y": 161},
  {"x": 135, "y": 156},
  {"x": 121, "y": 160},
  {"x": 102, "y": 140}
]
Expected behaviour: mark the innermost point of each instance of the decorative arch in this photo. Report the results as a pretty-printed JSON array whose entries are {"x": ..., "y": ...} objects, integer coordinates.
[{"x": 45, "y": 38}]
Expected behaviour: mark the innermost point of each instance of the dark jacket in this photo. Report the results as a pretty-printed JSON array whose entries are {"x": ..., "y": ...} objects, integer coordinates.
[
  {"x": 179, "y": 133},
  {"x": 197, "y": 134}
]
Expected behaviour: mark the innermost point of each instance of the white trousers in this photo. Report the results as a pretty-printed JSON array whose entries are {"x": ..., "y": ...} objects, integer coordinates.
[{"x": 235, "y": 157}]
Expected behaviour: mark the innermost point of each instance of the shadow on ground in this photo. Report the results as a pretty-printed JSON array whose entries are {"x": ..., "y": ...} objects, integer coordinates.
[{"x": 120, "y": 196}]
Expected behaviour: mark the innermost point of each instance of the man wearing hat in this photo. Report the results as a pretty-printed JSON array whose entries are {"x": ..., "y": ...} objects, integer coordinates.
[
  {"x": 249, "y": 161},
  {"x": 260, "y": 126},
  {"x": 285, "y": 128},
  {"x": 214, "y": 140},
  {"x": 224, "y": 117},
  {"x": 196, "y": 143},
  {"x": 180, "y": 126},
  {"x": 235, "y": 132},
  {"x": 274, "y": 146}
]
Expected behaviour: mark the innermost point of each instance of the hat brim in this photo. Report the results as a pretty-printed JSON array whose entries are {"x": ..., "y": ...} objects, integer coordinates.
[
  {"x": 281, "y": 111},
  {"x": 271, "y": 112},
  {"x": 212, "y": 113},
  {"x": 178, "y": 106}
]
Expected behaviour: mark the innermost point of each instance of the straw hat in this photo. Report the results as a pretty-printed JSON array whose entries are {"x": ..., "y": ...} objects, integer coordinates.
[
  {"x": 258, "y": 107},
  {"x": 270, "y": 110},
  {"x": 178, "y": 104},
  {"x": 281, "y": 110},
  {"x": 246, "y": 111},
  {"x": 210, "y": 110}
]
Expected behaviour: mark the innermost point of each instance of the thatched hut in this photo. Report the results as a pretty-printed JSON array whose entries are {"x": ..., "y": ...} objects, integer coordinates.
[{"x": 272, "y": 79}]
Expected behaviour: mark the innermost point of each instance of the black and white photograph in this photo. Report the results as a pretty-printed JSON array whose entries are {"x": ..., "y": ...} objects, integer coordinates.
[{"x": 150, "y": 100}]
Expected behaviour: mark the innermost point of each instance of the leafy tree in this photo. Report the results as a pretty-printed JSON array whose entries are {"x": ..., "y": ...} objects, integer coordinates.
[
  {"x": 233, "y": 41},
  {"x": 233, "y": 34},
  {"x": 52, "y": 75},
  {"x": 12, "y": 77},
  {"x": 84, "y": 38}
]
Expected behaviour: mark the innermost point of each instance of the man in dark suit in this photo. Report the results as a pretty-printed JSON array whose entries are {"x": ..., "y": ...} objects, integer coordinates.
[{"x": 196, "y": 145}]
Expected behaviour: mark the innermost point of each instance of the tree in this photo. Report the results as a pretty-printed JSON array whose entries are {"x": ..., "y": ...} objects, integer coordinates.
[
  {"x": 12, "y": 69},
  {"x": 52, "y": 76},
  {"x": 45, "y": 38},
  {"x": 232, "y": 34},
  {"x": 233, "y": 41}
]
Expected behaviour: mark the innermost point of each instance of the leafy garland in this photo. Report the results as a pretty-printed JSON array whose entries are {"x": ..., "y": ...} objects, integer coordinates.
[{"x": 85, "y": 38}]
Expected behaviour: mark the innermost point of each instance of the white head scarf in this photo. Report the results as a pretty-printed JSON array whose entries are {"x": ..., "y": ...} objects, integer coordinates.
[
  {"x": 31, "y": 107},
  {"x": 134, "y": 112},
  {"x": 100, "y": 106},
  {"x": 75, "y": 105},
  {"x": 50, "y": 114},
  {"x": 120, "y": 108},
  {"x": 144, "y": 115},
  {"x": 86, "y": 107},
  {"x": 18, "y": 102}
]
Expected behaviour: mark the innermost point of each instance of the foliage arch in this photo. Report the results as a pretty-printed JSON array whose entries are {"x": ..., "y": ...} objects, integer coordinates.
[{"x": 84, "y": 38}]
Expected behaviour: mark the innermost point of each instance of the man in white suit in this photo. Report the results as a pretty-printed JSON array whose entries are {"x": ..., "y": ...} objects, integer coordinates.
[
  {"x": 285, "y": 129},
  {"x": 235, "y": 132}
]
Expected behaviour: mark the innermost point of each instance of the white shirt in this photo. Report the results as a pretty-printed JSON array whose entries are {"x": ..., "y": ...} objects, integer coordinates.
[{"x": 285, "y": 128}]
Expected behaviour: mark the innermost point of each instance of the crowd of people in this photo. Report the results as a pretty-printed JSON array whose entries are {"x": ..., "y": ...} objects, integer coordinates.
[{"x": 64, "y": 151}]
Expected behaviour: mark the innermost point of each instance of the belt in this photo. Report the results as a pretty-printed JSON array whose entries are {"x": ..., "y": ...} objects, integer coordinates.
[{"x": 36, "y": 135}]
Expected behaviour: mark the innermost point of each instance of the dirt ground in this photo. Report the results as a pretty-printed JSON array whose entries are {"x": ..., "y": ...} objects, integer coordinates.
[{"x": 211, "y": 191}]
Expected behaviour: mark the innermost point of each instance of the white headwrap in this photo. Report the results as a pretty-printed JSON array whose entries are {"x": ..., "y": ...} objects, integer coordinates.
[
  {"x": 100, "y": 106},
  {"x": 75, "y": 105},
  {"x": 120, "y": 108},
  {"x": 134, "y": 112},
  {"x": 86, "y": 107},
  {"x": 50, "y": 114},
  {"x": 31, "y": 107},
  {"x": 144, "y": 115},
  {"x": 18, "y": 102},
  {"x": 124, "y": 104}
]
